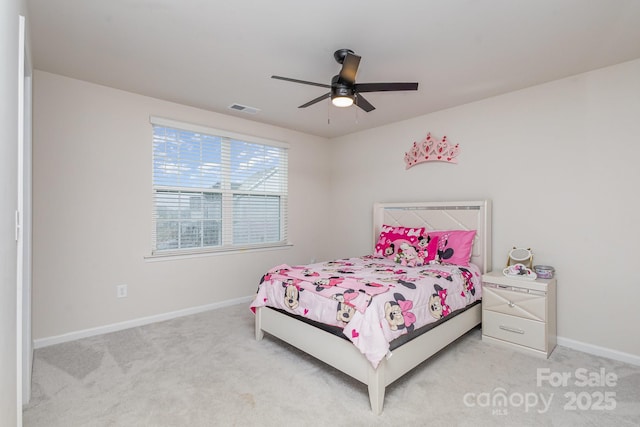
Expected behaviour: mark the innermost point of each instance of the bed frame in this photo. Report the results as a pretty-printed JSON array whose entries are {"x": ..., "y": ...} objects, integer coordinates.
[{"x": 341, "y": 353}]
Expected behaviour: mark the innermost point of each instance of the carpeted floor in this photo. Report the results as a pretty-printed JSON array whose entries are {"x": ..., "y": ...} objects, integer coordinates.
[{"x": 208, "y": 370}]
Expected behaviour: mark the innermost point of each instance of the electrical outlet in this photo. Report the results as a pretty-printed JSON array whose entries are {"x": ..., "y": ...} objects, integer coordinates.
[{"x": 121, "y": 291}]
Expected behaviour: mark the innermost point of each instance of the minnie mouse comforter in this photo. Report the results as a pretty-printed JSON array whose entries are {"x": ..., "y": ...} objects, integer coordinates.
[{"x": 374, "y": 300}]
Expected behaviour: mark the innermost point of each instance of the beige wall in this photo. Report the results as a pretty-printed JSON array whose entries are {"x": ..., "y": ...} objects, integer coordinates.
[
  {"x": 559, "y": 161},
  {"x": 92, "y": 210}
]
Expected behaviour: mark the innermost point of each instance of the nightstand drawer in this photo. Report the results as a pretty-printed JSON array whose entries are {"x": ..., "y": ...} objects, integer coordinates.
[
  {"x": 528, "y": 305},
  {"x": 512, "y": 329}
]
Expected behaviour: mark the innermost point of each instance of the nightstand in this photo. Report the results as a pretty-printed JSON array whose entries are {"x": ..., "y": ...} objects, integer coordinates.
[{"x": 519, "y": 313}]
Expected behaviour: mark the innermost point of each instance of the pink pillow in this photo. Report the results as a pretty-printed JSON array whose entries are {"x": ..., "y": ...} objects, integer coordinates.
[
  {"x": 454, "y": 246},
  {"x": 392, "y": 237},
  {"x": 427, "y": 247}
]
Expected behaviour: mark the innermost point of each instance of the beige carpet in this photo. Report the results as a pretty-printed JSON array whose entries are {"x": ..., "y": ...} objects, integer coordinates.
[{"x": 208, "y": 370}]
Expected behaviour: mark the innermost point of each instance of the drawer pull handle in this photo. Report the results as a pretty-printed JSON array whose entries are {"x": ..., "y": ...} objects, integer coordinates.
[{"x": 514, "y": 330}]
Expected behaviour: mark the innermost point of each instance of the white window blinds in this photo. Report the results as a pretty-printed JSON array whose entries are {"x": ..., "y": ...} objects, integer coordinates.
[{"x": 216, "y": 191}]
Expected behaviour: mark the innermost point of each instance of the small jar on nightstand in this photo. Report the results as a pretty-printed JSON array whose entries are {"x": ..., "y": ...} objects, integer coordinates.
[{"x": 519, "y": 313}]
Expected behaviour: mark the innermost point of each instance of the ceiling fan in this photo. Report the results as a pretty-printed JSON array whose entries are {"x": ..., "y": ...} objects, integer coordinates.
[{"x": 344, "y": 89}]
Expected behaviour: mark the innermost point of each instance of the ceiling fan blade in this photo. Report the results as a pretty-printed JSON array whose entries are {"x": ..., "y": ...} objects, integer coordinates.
[
  {"x": 318, "y": 99},
  {"x": 384, "y": 87},
  {"x": 363, "y": 103},
  {"x": 304, "y": 82},
  {"x": 350, "y": 68}
]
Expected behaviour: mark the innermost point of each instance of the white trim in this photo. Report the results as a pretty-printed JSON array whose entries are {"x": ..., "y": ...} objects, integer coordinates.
[
  {"x": 114, "y": 327},
  {"x": 597, "y": 350},
  {"x": 161, "y": 121},
  {"x": 19, "y": 220},
  {"x": 171, "y": 256}
]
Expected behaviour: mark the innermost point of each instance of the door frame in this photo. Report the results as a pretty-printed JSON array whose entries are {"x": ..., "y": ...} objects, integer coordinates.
[{"x": 24, "y": 344}]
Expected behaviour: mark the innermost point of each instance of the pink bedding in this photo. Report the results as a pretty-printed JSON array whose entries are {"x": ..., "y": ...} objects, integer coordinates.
[{"x": 374, "y": 300}]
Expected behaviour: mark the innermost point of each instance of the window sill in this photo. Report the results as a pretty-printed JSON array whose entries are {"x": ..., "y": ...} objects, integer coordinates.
[{"x": 177, "y": 256}]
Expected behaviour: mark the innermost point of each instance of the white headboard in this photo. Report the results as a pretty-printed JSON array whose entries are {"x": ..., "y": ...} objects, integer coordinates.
[{"x": 442, "y": 216}]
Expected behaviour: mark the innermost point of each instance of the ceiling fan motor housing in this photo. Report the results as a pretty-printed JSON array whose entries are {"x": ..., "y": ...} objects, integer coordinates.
[{"x": 340, "y": 88}]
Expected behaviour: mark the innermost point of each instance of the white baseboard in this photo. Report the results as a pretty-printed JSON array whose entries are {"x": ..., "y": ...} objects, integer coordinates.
[
  {"x": 599, "y": 351},
  {"x": 114, "y": 327}
]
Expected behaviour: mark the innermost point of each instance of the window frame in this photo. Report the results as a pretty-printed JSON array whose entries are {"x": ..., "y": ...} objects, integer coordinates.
[{"x": 227, "y": 193}]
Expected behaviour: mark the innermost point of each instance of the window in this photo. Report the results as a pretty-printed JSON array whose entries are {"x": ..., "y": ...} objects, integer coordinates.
[{"x": 216, "y": 191}]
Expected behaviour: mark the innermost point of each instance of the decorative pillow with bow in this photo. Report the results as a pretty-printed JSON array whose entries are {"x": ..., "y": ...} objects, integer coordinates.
[{"x": 391, "y": 239}]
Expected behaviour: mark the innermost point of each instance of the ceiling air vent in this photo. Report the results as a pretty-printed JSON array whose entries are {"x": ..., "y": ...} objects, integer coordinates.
[{"x": 243, "y": 108}]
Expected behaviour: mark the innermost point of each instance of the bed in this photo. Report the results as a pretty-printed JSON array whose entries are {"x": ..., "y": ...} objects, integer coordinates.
[{"x": 340, "y": 352}]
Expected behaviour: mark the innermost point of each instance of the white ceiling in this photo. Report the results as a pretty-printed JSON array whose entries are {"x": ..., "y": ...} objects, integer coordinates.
[{"x": 212, "y": 53}]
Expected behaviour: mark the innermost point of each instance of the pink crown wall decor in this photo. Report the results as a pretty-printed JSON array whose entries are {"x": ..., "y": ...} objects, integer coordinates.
[{"x": 431, "y": 149}]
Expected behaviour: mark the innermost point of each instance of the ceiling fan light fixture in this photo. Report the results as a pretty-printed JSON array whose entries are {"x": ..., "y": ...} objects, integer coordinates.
[
  {"x": 342, "y": 101},
  {"x": 341, "y": 94}
]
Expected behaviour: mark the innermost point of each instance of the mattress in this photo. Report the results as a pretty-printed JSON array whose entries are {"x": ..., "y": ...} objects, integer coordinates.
[{"x": 402, "y": 339}]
